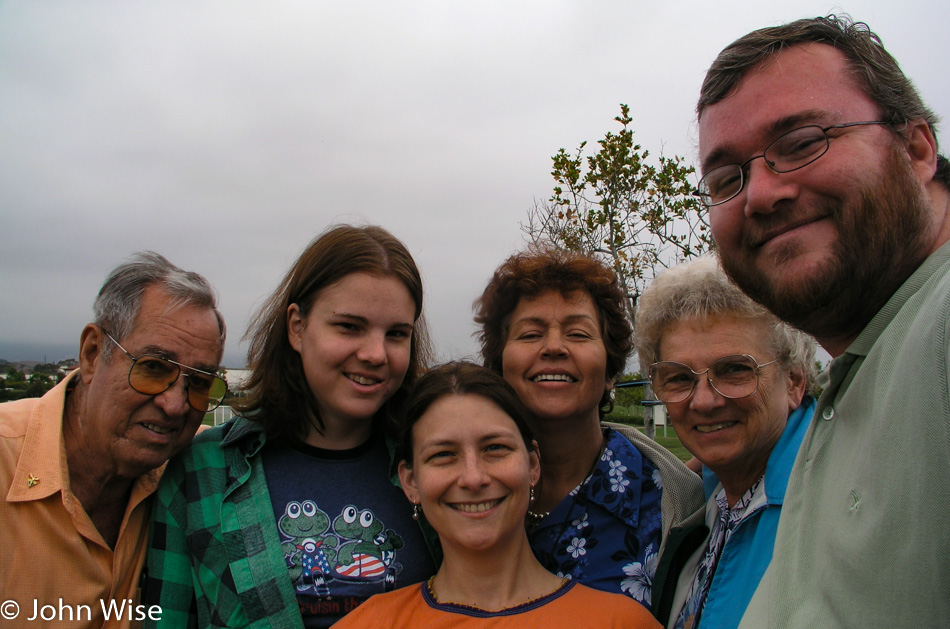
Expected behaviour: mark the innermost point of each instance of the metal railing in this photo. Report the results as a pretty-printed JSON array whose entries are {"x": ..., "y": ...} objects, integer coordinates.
[{"x": 222, "y": 414}]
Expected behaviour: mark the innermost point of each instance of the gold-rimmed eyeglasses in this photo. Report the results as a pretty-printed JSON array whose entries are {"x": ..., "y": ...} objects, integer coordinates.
[
  {"x": 733, "y": 377},
  {"x": 151, "y": 375}
]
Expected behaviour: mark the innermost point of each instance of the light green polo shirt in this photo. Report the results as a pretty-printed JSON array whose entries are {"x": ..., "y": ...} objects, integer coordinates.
[{"x": 864, "y": 537}]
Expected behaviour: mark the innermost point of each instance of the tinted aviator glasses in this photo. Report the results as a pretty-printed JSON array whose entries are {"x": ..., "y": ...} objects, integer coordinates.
[
  {"x": 731, "y": 376},
  {"x": 796, "y": 149},
  {"x": 151, "y": 375}
]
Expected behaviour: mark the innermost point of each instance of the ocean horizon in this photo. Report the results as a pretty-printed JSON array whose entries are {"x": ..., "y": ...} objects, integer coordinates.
[{"x": 22, "y": 351}]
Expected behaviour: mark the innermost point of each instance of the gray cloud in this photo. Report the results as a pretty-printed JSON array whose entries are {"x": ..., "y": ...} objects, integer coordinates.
[{"x": 226, "y": 135}]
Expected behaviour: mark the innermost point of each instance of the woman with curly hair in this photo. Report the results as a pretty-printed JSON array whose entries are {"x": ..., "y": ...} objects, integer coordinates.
[{"x": 554, "y": 325}]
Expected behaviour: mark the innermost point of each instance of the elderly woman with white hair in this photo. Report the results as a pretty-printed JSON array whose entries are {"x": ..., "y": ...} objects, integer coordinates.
[{"x": 733, "y": 379}]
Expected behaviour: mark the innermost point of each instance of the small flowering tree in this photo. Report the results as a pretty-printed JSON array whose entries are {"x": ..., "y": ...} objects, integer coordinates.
[{"x": 616, "y": 204}]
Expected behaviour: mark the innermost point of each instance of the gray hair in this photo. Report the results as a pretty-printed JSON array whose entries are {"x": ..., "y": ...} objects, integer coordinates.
[
  {"x": 120, "y": 297},
  {"x": 700, "y": 289}
]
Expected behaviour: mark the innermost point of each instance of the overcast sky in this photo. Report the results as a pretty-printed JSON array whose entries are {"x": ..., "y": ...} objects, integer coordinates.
[{"x": 226, "y": 135}]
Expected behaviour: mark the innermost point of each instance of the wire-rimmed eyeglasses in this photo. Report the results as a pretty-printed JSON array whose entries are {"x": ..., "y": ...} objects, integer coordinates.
[
  {"x": 789, "y": 152},
  {"x": 151, "y": 375},
  {"x": 733, "y": 377}
]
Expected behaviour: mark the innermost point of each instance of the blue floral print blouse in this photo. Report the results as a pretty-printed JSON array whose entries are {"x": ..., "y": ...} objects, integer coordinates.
[{"x": 606, "y": 532}]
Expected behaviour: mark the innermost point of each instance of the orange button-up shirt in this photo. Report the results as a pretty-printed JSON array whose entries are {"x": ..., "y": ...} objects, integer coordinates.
[{"x": 55, "y": 567}]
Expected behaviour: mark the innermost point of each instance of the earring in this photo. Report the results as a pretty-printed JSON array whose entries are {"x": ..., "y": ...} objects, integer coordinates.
[
  {"x": 415, "y": 511},
  {"x": 531, "y": 495}
]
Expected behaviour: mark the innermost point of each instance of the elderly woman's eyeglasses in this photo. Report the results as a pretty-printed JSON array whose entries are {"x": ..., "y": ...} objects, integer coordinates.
[
  {"x": 731, "y": 376},
  {"x": 151, "y": 375},
  {"x": 796, "y": 149}
]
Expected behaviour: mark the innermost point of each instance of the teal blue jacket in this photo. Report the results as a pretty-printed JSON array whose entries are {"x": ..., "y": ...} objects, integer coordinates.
[{"x": 748, "y": 553}]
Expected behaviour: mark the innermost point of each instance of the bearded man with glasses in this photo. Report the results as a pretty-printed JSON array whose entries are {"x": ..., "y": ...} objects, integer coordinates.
[
  {"x": 78, "y": 466},
  {"x": 841, "y": 229}
]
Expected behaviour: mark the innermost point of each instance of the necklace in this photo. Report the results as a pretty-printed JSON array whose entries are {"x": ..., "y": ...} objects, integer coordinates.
[
  {"x": 566, "y": 520},
  {"x": 535, "y": 518}
]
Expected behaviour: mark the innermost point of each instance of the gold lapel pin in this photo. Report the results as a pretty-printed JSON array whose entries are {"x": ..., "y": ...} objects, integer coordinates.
[{"x": 32, "y": 481}]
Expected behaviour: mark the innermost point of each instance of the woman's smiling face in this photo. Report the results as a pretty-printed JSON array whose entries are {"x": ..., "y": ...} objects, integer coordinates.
[
  {"x": 733, "y": 437},
  {"x": 472, "y": 473},
  {"x": 354, "y": 345},
  {"x": 555, "y": 358}
]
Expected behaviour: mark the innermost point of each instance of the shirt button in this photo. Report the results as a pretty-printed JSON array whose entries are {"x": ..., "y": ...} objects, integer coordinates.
[{"x": 828, "y": 413}]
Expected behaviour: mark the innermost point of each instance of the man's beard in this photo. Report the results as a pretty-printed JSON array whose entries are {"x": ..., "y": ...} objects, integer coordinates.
[{"x": 882, "y": 238}]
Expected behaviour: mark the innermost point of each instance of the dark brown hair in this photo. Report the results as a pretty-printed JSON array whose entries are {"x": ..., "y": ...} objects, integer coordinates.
[
  {"x": 527, "y": 274},
  {"x": 278, "y": 396},
  {"x": 460, "y": 378},
  {"x": 872, "y": 68}
]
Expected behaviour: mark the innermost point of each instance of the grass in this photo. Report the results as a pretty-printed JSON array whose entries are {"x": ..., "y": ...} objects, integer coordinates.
[
  {"x": 669, "y": 441},
  {"x": 672, "y": 443}
]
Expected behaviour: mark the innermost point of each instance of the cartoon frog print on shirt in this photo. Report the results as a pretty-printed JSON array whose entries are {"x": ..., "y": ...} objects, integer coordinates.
[
  {"x": 366, "y": 552},
  {"x": 309, "y": 553}
]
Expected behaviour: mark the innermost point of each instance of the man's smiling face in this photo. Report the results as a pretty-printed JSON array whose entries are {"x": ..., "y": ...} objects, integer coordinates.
[{"x": 824, "y": 246}]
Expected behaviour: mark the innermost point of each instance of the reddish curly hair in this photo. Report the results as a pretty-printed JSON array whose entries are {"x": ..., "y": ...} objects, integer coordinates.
[{"x": 526, "y": 275}]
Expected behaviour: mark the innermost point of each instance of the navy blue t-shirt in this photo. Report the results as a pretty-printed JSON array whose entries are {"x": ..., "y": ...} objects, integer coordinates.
[{"x": 347, "y": 531}]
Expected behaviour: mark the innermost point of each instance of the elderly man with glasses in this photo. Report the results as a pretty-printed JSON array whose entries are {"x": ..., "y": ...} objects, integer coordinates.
[
  {"x": 842, "y": 230},
  {"x": 78, "y": 466},
  {"x": 734, "y": 379}
]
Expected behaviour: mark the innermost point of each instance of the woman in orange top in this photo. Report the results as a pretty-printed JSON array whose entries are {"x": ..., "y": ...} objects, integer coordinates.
[{"x": 470, "y": 465}]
